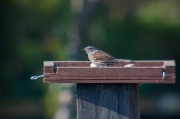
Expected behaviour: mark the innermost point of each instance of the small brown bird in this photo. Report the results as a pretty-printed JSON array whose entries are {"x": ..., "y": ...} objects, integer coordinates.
[{"x": 101, "y": 58}]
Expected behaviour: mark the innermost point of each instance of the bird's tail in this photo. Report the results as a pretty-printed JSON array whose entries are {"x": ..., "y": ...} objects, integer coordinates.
[{"x": 127, "y": 61}]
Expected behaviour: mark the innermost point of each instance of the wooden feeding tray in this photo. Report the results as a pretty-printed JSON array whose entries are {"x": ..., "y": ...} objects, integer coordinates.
[{"x": 81, "y": 72}]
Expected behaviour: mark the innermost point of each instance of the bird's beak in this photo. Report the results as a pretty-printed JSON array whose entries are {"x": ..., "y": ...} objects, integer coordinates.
[{"x": 82, "y": 49}]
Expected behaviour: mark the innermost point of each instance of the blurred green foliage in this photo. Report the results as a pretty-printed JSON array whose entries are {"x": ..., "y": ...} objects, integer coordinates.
[{"x": 36, "y": 31}]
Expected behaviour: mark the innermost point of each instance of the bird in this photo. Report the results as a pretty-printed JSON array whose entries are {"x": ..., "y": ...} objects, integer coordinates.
[{"x": 101, "y": 58}]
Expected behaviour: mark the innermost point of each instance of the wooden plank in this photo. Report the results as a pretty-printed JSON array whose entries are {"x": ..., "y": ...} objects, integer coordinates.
[
  {"x": 48, "y": 67},
  {"x": 108, "y": 73},
  {"x": 56, "y": 77},
  {"x": 157, "y": 81},
  {"x": 108, "y": 101},
  {"x": 169, "y": 67},
  {"x": 87, "y": 63},
  {"x": 72, "y": 63}
]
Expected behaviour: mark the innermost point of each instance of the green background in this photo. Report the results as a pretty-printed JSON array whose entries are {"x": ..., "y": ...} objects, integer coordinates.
[{"x": 33, "y": 31}]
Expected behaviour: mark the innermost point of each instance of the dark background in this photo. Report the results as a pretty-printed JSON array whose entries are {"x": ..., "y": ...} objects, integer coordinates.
[{"x": 33, "y": 31}]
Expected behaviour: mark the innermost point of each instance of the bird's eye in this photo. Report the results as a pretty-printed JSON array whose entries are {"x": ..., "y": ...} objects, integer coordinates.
[{"x": 90, "y": 49}]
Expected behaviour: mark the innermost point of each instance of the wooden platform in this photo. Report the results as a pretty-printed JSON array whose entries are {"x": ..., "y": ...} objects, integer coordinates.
[{"x": 81, "y": 72}]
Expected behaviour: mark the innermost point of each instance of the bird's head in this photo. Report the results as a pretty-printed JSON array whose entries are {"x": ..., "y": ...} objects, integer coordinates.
[{"x": 90, "y": 49}]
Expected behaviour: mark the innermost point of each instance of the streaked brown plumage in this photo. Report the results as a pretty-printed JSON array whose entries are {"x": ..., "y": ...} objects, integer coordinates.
[{"x": 101, "y": 58}]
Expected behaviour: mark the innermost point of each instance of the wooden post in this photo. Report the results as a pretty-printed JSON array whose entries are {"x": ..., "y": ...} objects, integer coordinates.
[
  {"x": 110, "y": 92},
  {"x": 108, "y": 101}
]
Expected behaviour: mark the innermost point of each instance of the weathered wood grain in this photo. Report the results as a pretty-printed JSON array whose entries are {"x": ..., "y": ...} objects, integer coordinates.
[{"x": 108, "y": 101}]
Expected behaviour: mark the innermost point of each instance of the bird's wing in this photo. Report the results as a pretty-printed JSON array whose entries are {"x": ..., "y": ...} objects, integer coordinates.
[{"x": 103, "y": 57}]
